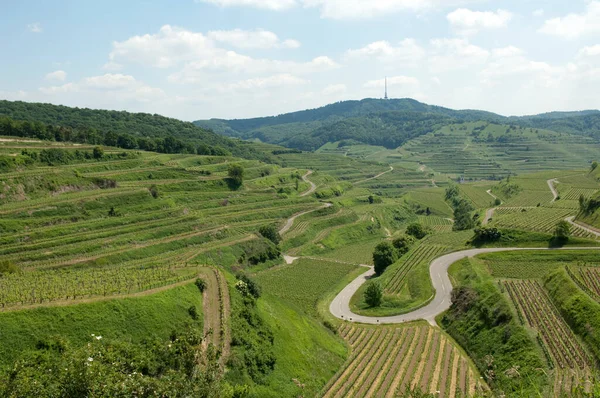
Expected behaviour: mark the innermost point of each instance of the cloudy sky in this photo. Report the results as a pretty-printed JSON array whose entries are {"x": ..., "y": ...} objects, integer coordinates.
[{"x": 194, "y": 59}]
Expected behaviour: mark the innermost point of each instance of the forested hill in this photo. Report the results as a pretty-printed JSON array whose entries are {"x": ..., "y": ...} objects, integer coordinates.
[
  {"x": 116, "y": 128},
  {"x": 388, "y": 123}
]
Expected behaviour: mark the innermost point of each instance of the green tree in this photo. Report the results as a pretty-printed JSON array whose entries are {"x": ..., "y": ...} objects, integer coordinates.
[
  {"x": 384, "y": 255},
  {"x": 154, "y": 191},
  {"x": 416, "y": 230},
  {"x": 236, "y": 174},
  {"x": 594, "y": 165},
  {"x": 271, "y": 233},
  {"x": 374, "y": 294},
  {"x": 98, "y": 152},
  {"x": 562, "y": 231},
  {"x": 403, "y": 244}
]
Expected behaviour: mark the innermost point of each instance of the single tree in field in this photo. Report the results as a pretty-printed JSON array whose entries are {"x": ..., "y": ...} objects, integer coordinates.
[
  {"x": 562, "y": 231},
  {"x": 594, "y": 165},
  {"x": 271, "y": 233},
  {"x": 384, "y": 255},
  {"x": 373, "y": 294},
  {"x": 236, "y": 174}
]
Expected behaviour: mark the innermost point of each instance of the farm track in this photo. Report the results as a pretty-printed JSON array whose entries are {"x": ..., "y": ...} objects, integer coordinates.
[
  {"x": 551, "y": 183},
  {"x": 217, "y": 308},
  {"x": 585, "y": 227},
  {"x": 290, "y": 221},
  {"x": 313, "y": 186},
  {"x": 438, "y": 271},
  {"x": 374, "y": 177}
]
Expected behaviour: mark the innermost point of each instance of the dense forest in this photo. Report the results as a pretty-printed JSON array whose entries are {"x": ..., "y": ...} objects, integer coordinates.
[
  {"x": 116, "y": 128},
  {"x": 387, "y": 123}
]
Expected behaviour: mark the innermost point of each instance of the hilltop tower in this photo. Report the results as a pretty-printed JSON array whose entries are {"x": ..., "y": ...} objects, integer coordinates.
[{"x": 386, "y": 96}]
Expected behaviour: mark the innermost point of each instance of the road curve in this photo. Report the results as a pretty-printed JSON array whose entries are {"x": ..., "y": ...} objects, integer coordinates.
[
  {"x": 585, "y": 227},
  {"x": 438, "y": 271},
  {"x": 313, "y": 186}
]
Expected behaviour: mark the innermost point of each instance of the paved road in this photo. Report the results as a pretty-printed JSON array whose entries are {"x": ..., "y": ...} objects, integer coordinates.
[
  {"x": 583, "y": 226},
  {"x": 551, "y": 183},
  {"x": 313, "y": 186},
  {"x": 438, "y": 271}
]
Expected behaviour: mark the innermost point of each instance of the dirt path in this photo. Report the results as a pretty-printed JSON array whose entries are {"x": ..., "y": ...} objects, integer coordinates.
[
  {"x": 489, "y": 214},
  {"x": 551, "y": 183},
  {"x": 216, "y": 309},
  {"x": 374, "y": 177},
  {"x": 313, "y": 186},
  {"x": 585, "y": 227},
  {"x": 290, "y": 221}
]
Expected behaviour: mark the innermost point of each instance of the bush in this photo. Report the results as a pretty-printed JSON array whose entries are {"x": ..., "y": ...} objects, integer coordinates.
[
  {"x": 236, "y": 175},
  {"x": 403, "y": 244},
  {"x": 193, "y": 312},
  {"x": 416, "y": 230},
  {"x": 374, "y": 294},
  {"x": 154, "y": 191},
  {"x": 485, "y": 234},
  {"x": 8, "y": 267},
  {"x": 562, "y": 231},
  {"x": 384, "y": 255},
  {"x": 271, "y": 233},
  {"x": 201, "y": 284},
  {"x": 252, "y": 287}
]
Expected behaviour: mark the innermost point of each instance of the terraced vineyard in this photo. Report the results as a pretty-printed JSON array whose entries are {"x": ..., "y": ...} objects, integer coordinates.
[
  {"x": 588, "y": 278},
  {"x": 420, "y": 256},
  {"x": 561, "y": 345},
  {"x": 438, "y": 224},
  {"x": 386, "y": 361}
]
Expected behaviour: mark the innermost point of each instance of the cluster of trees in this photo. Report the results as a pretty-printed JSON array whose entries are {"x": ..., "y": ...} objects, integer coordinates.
[
  {"x": 117, "y": 128},
  {"x": 58, "y": 156},
  {"x": 462, "y": 209},
  {"x": 588, "y": 206},
  {"x": 386, "y": 253}
]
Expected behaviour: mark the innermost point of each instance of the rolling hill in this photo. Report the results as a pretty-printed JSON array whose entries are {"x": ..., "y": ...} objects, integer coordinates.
[{"x": 387, "y": 123}]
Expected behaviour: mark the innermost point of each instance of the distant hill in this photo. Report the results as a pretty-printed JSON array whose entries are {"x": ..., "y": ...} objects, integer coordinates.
[
  {"x": 116, "y": 128},
  {"x": 388, "y": 123}
]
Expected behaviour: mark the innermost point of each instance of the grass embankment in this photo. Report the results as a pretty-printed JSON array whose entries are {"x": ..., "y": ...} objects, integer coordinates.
[
  {"x": 580, "y": 311},
  {"x": 130, "y": 319},
  {"x": 482, "y": 322}
]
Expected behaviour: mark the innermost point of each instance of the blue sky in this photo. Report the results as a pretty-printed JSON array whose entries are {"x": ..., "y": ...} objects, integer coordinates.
[{"x": 194, "y": 59}]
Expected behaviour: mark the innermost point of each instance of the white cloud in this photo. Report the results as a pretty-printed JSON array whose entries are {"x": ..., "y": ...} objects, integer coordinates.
[
  {"x": 468, "y": 22},
  {"x": 392, "y": 81},
  {"x": 591, "y": 51},
  {"x": 276, "y": 5},
  {"x": 231, "y": 62},
  {"x": 335, "y": 89},
  {"x": 573, "y": 26},
  {"x": 113, "y": 86},
  {"x": 280, "y": 80},
  {"x": 165, "y": 49},
  {"x": 509, "y": 51},
  {"x": 35, "y": 27},
  {"x": 59, "y": 75},
  {"x": 245, "y": 39},
  {"x": 406, "y": 52},
  {"x": 538, "y": 13},
  {"x": 112, "y": 66},
  {"x": 345, "y": 9},
  {"x": 451, "y": 54}
]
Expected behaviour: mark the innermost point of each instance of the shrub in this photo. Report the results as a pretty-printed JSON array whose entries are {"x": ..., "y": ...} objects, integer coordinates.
[
  {"x": 8, "y": 267},
  {"x": 485, "y": 234},
  {"x": 236, "y": 175},
  {"x": 416, "y": 230},
  {"x": 154, "y": 191},
  {"x": 271, "y": 233},
  {"x": 374, "y": 294},
  {"x": 562, "y": 231},
  {"x": 403, "y": 244},
  {"x": 193, "y": 312},
  {"x": 201, "y": 284}
]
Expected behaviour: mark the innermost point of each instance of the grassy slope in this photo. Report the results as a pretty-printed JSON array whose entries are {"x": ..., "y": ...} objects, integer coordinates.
[{"x": 132, "y": 319}]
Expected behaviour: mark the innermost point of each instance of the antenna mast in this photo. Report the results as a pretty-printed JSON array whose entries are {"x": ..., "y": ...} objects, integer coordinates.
[{"x": 386, "y": 96}]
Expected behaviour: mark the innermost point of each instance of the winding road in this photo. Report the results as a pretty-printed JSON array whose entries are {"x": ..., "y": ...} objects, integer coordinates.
[
  {"x": 438, "y": 271},
  {"x": 585, "y": 227},
  {"x": 313, "y": 186}
]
